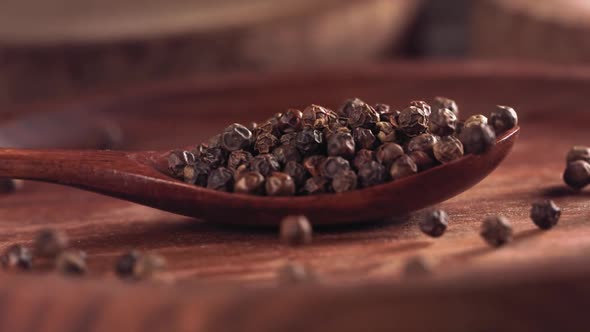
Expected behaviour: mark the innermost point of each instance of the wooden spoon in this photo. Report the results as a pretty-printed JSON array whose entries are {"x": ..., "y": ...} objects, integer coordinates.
[{"x": 141, "y": 177}]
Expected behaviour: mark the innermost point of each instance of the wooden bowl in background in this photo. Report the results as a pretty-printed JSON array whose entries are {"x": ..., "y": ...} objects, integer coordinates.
[{"x": 51, "y": 49}]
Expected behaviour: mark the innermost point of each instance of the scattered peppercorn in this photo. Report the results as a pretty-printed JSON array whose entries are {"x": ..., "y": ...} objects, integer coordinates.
[
  {"x": 503, "y": 118},
  {"x": 136, "y": 265},
  {"x": 50, "y": 242},
  {"x": 296, "y": 231},
  {"x": 17, "y": 257},
  {"x": 545, "y": 214},
  {"x": 294, "y": 273},
  {"x": 434, "y": 223},
  {"x": 417, "y": 266},
  {"x": 578, "y": 152},
  {"x": 496, "y": 230},
  {"x": 8, "y": 186},
  {"x": 71, "y": 263},
  {"x": 577, "y": 174}
]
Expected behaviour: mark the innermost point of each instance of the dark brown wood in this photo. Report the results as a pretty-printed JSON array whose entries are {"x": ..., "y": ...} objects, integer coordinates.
[
  {"x": 222, "y": 278},
  {"x": 141, "y": 177}
]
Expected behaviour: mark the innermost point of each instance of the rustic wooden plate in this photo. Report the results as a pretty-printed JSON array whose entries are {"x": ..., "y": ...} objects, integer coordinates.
[{"x": 223, "y": 278}]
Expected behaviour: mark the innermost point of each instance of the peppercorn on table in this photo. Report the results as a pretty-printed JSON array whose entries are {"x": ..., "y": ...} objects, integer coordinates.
[{"x": 376, "y": 276}]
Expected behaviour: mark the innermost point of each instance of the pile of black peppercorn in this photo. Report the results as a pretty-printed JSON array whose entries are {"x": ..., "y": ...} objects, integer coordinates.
[{"x": 318, "y": 150}]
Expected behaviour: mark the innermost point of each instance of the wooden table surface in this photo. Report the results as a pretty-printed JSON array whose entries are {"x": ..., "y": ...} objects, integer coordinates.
[{"x": 223, "y": 278}]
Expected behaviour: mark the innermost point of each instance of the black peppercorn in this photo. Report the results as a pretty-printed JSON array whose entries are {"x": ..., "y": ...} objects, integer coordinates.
[
  {"x": 197, "y": 174},
  {"x": 426, "y": 109},
  {"x": 312, "y": 164},
  {"x": 71, "y": 263},
  {"x": 250, "y": 183},
  {"x": 10, "y": 185},
  {"x": 17, "y": 256},
  {"x": 135, "y": 265},
  {"x": 344, "y": 181},
  {"x": 265, "y": 143},
  {"x": 286, "y": 153},
  {"x": 264, "y": 164},
  {"x": 545, "y": 214},
  {"x": 496, "y": 230},
  {"x": 387, "y": 153},
  {"x": 290, "y": 121},
  {"x": 237, "y": 158},
  {"x": 177, "y": 160},
  {"x": 309, "y": 141},
  {"x": 417, "y": 266},
  {"x": 447, "y": 149},
  {"x": 289, "y": 138},
  {"x": 402, "y": 167},
  {"x": 413, "y": 121},
  {"x": 503, "y": 119},
  {"x": 577, "y": 174},
  {"x": 385, "y": 132},
  {"x": 434, "y": 223},
  {"x": 578, "y": 153},
  {"x": 317, "y": 117},
  {"x": 362, "y": 157},
  {"x": 445, "y": 103},
  {"x": 294, "y": 273},
  {"x": 422, "y": 159},
  {"x": 214, "y": 157},
  {"x": 270, "y": 126},
  {"x": 332, "y": 166},
  {"x": 442, "y": 122},
  {"x": 477, "y": 139},
  {"x": 341, "y": 144},
  {"x": 296, "y": 230},
  {"x": 315, "y": 185},
  {"x": 297, "y": 172},
  {"x": 221, "y": 179},
  {"x": 382, "y": 109},
  {"x": 371, "y": 174},
  {"x": 361, "y": 114},
  {"x": 477, "y": 119},
  {"x": 363, "y": 138},
  {"x": 422, "y": 142},
  {"x": 126, "y": 263},
  {"x": 236, "y": 137},
  {"x": 50, "y": 242},
  {"x": 280, "y": 184}
]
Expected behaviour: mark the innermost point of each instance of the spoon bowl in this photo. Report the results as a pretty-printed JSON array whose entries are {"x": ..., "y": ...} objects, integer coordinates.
[{"x": 141, "y": 177}]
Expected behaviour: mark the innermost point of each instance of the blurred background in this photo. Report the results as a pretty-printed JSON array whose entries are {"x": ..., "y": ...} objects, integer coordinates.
[{"x": 57, "y": 49}]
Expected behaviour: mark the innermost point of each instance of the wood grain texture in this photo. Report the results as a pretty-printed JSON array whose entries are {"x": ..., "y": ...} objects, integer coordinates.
[{"x": 223, "y": 278}]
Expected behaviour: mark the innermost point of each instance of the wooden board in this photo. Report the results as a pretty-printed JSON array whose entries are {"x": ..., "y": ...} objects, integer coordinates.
[{"x": 223, "y": 278}]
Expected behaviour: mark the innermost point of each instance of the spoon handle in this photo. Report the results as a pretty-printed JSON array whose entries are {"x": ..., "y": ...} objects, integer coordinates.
[{"x": 73, "y": 167}]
